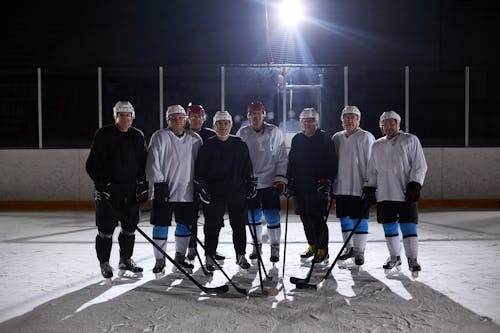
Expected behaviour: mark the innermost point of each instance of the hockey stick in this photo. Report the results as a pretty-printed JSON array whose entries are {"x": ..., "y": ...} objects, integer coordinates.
[
  {"x": 208, "y": 290},
  {"x": 306, "y": 284},
  {"x": 254, "y": 237},
  {"x": 286, "y": 232},
  {"x": 300, "y": 281},
  {"x": 238, "y": 289}
]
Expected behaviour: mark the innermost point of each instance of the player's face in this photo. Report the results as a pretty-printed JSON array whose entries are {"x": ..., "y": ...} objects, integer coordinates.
[
  {"x": 309, "y": 126},
  {"x": 257, "y": 119},
  {"x": 350, "y": 122},
  {"x": 195, "y": 122},
  {"x": 222, "y": 128},
  {"x": 176, "y": 123},
  {"x": 391, "y": 127},
  {"x": 123, "y": 121}
]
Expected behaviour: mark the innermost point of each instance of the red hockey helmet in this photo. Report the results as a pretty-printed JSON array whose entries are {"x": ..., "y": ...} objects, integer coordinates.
[
  {"x": 256, "y": 106},
  {"x": 195, "y": 109}
]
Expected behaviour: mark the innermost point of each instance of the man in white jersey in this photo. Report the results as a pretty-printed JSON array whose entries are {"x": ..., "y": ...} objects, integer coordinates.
[
  {"x": 266, "y": 145},
  {"x": 170, "y": 166},
  {"x": 396, "y": 171},
  {"x": 353, "y": 146}
]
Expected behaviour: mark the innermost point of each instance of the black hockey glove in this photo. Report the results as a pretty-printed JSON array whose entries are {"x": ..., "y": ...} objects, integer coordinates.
[
  {"x": 324, "y": 188},
  {"x": 368, "y": 196},
  {"x": 202, "y": 192},
  {"x": 412, "y": 193},
  {"x": 102, "y": 191},
  {"x": 141, "y": 191},
  {"x": 251, "y": 188},
  {"x": 280, "y": 185},
  {"x": 161, "y": 192}
]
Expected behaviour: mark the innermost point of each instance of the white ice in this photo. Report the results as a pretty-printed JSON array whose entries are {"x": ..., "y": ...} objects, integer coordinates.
[{"x": 46, "y": 255}]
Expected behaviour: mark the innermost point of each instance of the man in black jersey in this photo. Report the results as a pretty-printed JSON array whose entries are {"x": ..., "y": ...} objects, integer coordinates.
[
  {"x": 224, "y": 169},
  {"x": 116, "y": 165}
]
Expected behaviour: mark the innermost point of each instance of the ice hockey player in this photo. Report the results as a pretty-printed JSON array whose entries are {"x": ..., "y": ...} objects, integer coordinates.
[
  {"x": 396, "y": 171},
  {"x": 266, "y": 144},
  {"x": 196, "y": 117},
  {"x": 116, "y": 165},
  {"x": 353, "y": 146},
  {"x": 224, "y": 174},
  {"x": 312, "y": 166},
  {"x": 170, "y": 166}
]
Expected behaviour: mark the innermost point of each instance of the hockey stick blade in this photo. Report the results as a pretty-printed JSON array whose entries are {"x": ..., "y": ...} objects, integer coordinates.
[
  {"x": 301, "y": 285},
  {"x": 238, "y": 289},
  {"x": 304, "y": 283},
  {"x": 216, "y": 290},
  {"x": 296, "y": 280},
  {"x": 207, "y": 290}
]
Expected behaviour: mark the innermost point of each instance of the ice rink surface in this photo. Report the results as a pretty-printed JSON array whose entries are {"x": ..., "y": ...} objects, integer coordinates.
[{"x": 51, "y": 282}]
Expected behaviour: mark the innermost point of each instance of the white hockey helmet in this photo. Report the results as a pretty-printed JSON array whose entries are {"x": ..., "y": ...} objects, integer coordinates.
[
  {"x": 350, "y": 109},
  {"x": 123, "y": 106},
  {"x": 173, "y": 109},
  {"x": 222, "y": 115},
  {"x": 309, "y": 113},
  {"x": 389, "y": 115}
]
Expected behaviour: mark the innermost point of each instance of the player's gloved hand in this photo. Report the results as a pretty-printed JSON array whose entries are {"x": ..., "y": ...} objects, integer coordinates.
[
  {"x": 161, "y": 192},
  {"x": 412, "y": 193},
  {"x": 202, "y": 192},
  {"x": 102, "y": 191},
  {"x": 280, "y": 185},
  {"x": 142, "y": 191},
  {"x": 324, "y": 188},
  {"x": 251, "y": 187},
  {"x": 368, "y": 196}
]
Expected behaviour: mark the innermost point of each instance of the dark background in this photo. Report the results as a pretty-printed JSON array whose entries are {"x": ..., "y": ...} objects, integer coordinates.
[{"x": 191, "y": 39}]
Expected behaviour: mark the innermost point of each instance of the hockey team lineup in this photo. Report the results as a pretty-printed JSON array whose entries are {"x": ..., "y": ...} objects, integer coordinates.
[{"x": 195, "y": 169}]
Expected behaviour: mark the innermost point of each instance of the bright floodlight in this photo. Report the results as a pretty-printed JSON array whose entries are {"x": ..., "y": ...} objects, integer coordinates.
[{"x": 290, "y": 11}]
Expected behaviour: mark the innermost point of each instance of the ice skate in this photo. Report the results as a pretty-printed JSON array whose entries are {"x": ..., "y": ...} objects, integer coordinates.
[
  {"x": 359, "y": 258},
  {"x": 346, "y": 258},
  {"x": 254, "y": 255},
  {"x": 219, "y": 258},
  {"x": 180, "y": 259},
  {"x": 392, "y": 265},
  {"x": 159, "y": 269},
  {"x": 309, "y": 252},
  {"x": 275, "y": 253},
  {"x": 107, "y": 272},
  {"x": 128, "y": 268},
  {"x": 210, "y": 266},
  {"x": 242, "y": 262},
  {"x": 191, "y": 254},
  {"x": 414, "y": 267},
  {"x": 321, "y": 257}
]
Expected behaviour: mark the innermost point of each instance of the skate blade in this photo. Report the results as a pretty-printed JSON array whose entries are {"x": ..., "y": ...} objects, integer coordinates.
[
  {"x": 107, "y": 282},
  {"x": 243, "y": 272},
  {"x": 159, "y": 275},
  {"x": 129, "y": 274},
  {"x": 345, "y": 264},
  {"x": 392, "y": 271}
]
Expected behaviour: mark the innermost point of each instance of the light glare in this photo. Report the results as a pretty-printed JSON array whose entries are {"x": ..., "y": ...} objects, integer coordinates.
[{"x": 290, "y": 11}]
